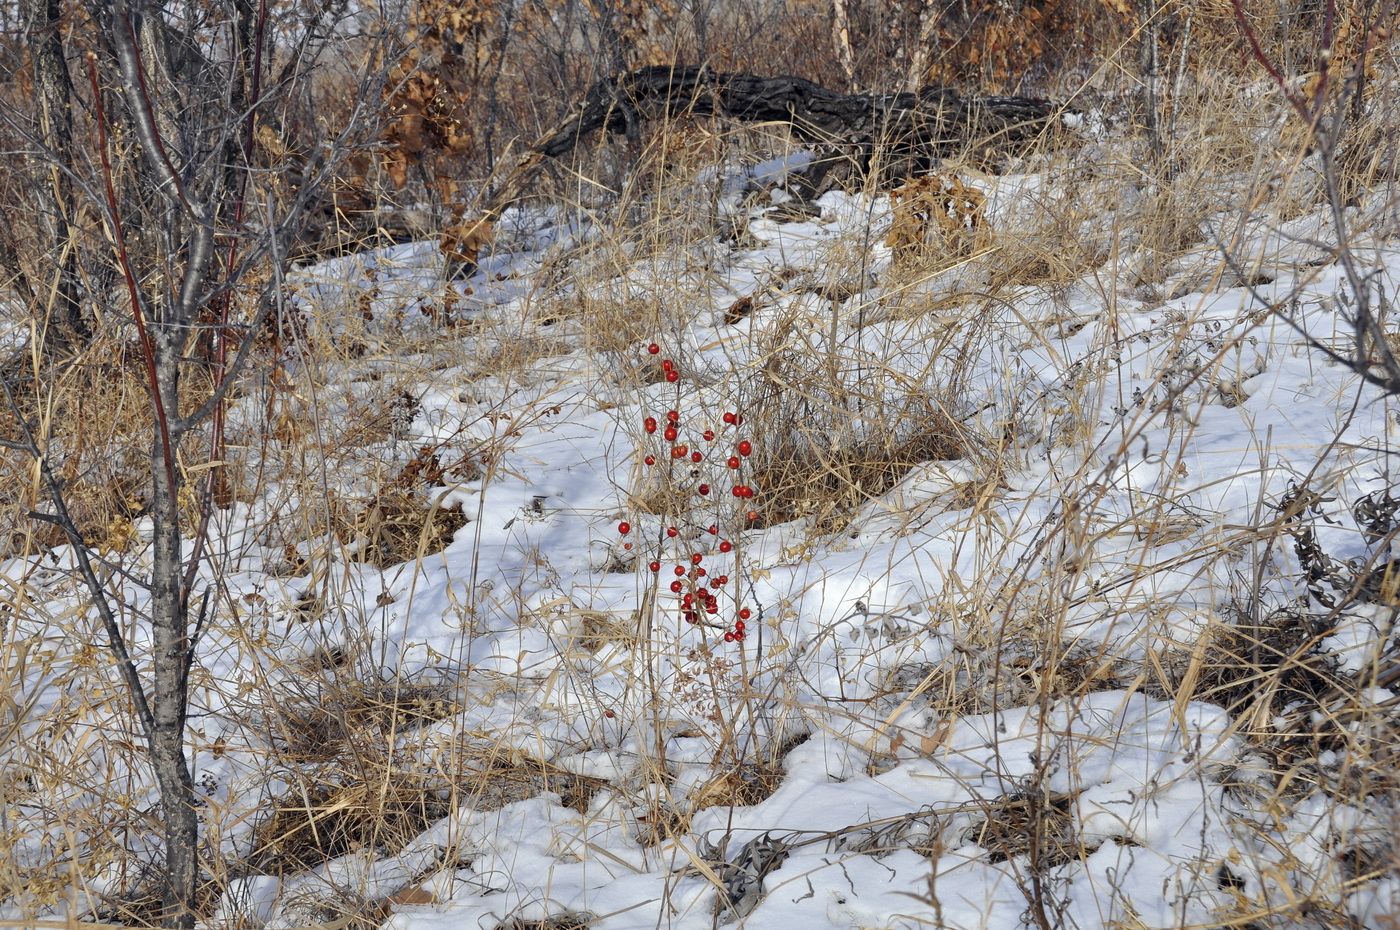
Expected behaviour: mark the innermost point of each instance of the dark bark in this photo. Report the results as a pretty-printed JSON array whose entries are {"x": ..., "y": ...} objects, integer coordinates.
[
  {"x": 913, "y": 128},
  {"x": 53, "y": 99},
  {"x": 1148, "y": 68},
  {"x": 172, "y": 658},
  {"x": 177, "y": 246},
  {"x": 934, "y": 120}
]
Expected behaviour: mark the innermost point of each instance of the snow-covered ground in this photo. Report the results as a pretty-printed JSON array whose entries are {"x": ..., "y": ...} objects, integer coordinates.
[{"x": 976, "y": 699}]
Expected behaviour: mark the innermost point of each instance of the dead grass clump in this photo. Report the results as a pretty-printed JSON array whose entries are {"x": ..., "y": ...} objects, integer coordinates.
[
  {"x": 566, "y": 921},
  {"x": 747, "y": 783},
  {"x": 515, "y": 353},
  {"x": 1254, "y": 669},
  {"x": 365, "y": 792},
  {"x": 597, "y": 629},
  {"x": 1059, "y": 237},
  {"x": 661, "y": 823},
  {"x": 618, "y": 326},
  {"x": 1040, "y": 827},
  {"x": 659, "y": 497},
  {"x": 739, "y": 786},
  {"x": 403, "y": 521},
  {"x": 675, "y": 152},
  {"x": 505, "y": 780},
  {"x": 347, "y": 714},
  {"x": 313, "y": 824},
  {"x": 141, "y": 903},
  {"x": 1293, "y": 705},
  {"x": 798, "y": 477},
  {"x": 400, "y": 525}
]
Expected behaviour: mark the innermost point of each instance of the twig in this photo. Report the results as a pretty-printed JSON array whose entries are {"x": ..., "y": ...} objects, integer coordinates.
[{"x": 64, "y": 521}]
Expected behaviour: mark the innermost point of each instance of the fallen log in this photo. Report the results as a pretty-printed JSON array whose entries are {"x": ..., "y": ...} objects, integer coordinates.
[
  {"x": 913, "y": 128},
  {"x": 931, "y": 120}
]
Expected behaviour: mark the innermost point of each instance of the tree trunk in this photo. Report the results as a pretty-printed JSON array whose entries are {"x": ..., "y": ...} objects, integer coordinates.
[
  {"x": 929, "y": 17},
  {"x": 53, "y": 95},
  {"x": 171, "y": 658},
  {"x": 841, "y": 38},
  {"x": 1148, "y": 74}
]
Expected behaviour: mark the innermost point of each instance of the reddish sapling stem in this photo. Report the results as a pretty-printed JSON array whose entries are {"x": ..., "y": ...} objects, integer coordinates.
[{"x": 148, "y": 354}]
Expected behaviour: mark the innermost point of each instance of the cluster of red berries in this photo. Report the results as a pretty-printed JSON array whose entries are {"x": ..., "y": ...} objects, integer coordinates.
[
  {"x": 697, "y": 592},
  {"x": 668, "y": 367}
]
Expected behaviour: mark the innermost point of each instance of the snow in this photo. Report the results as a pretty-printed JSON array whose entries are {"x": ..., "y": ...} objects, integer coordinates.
[{"x": 1151, "y": 434}]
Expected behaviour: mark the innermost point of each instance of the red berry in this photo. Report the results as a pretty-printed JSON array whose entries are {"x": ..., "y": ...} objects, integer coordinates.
[
  {"x": 729, "y": 637},
  {"x": 729, "y": 418},
  {"x": 654, "y": 349},
  {"x": 733, "y": 461},
  {"x": 673, "y": 416},
  {"x": 650, "y": 460},
  {"x": 649, "y": 424},
  {"x": 669, "y": 434},
  {"x": 667, "y": 364},
  {"x": 752, "y": 516},
  {"x": 745, "y": 447},
  {"x": 739, "y": 635},
  {"x": 704, "y": 488},
  {"x": 624, "y": 528},
  {"x": 700, "y": 573},
  {"x": 679, "y": 452},
  {"x": 680, "y": 570},
  {"x": 688, "y": 600},
  {"x": 696, "y": 558},
  {"x": 627, "y": 547},
  {"x": 673, "y": 376},
  {"x": 724, "y": 579},
  {"x": 676, "y": 587},
  {"x": 716, "y": 583},
  {"x": 745, "y": 613},
  {"x": 738, "y": 419},
  {"x": 696, "y": 456},
  {"x": 712, "y": 608},
  {"x": 671, "y": 532},
  {"x": 654, "y": 565},
  {"x": 738, "y": 626},
  {"x": 709, "y": 435},
  {"x": 737, "y": 490},
  {"x": 725, "y": 545},
  {"x": 713, "y": 530}
]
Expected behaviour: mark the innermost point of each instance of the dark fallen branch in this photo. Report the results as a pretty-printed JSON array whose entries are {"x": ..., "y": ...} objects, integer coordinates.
[
  {"x": 932, "y": 121},
  {"x": 910, "y": 130}
]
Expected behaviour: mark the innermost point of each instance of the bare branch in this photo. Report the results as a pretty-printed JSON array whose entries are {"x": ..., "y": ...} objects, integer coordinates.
[{"x": 81, "y": 553}]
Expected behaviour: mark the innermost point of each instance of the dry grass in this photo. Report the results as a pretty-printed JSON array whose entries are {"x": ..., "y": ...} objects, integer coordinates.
[
  {"x": 838, "y": 424},
  {"x": 557, "y": 922},
  {"x": 313, "y": 824}
]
